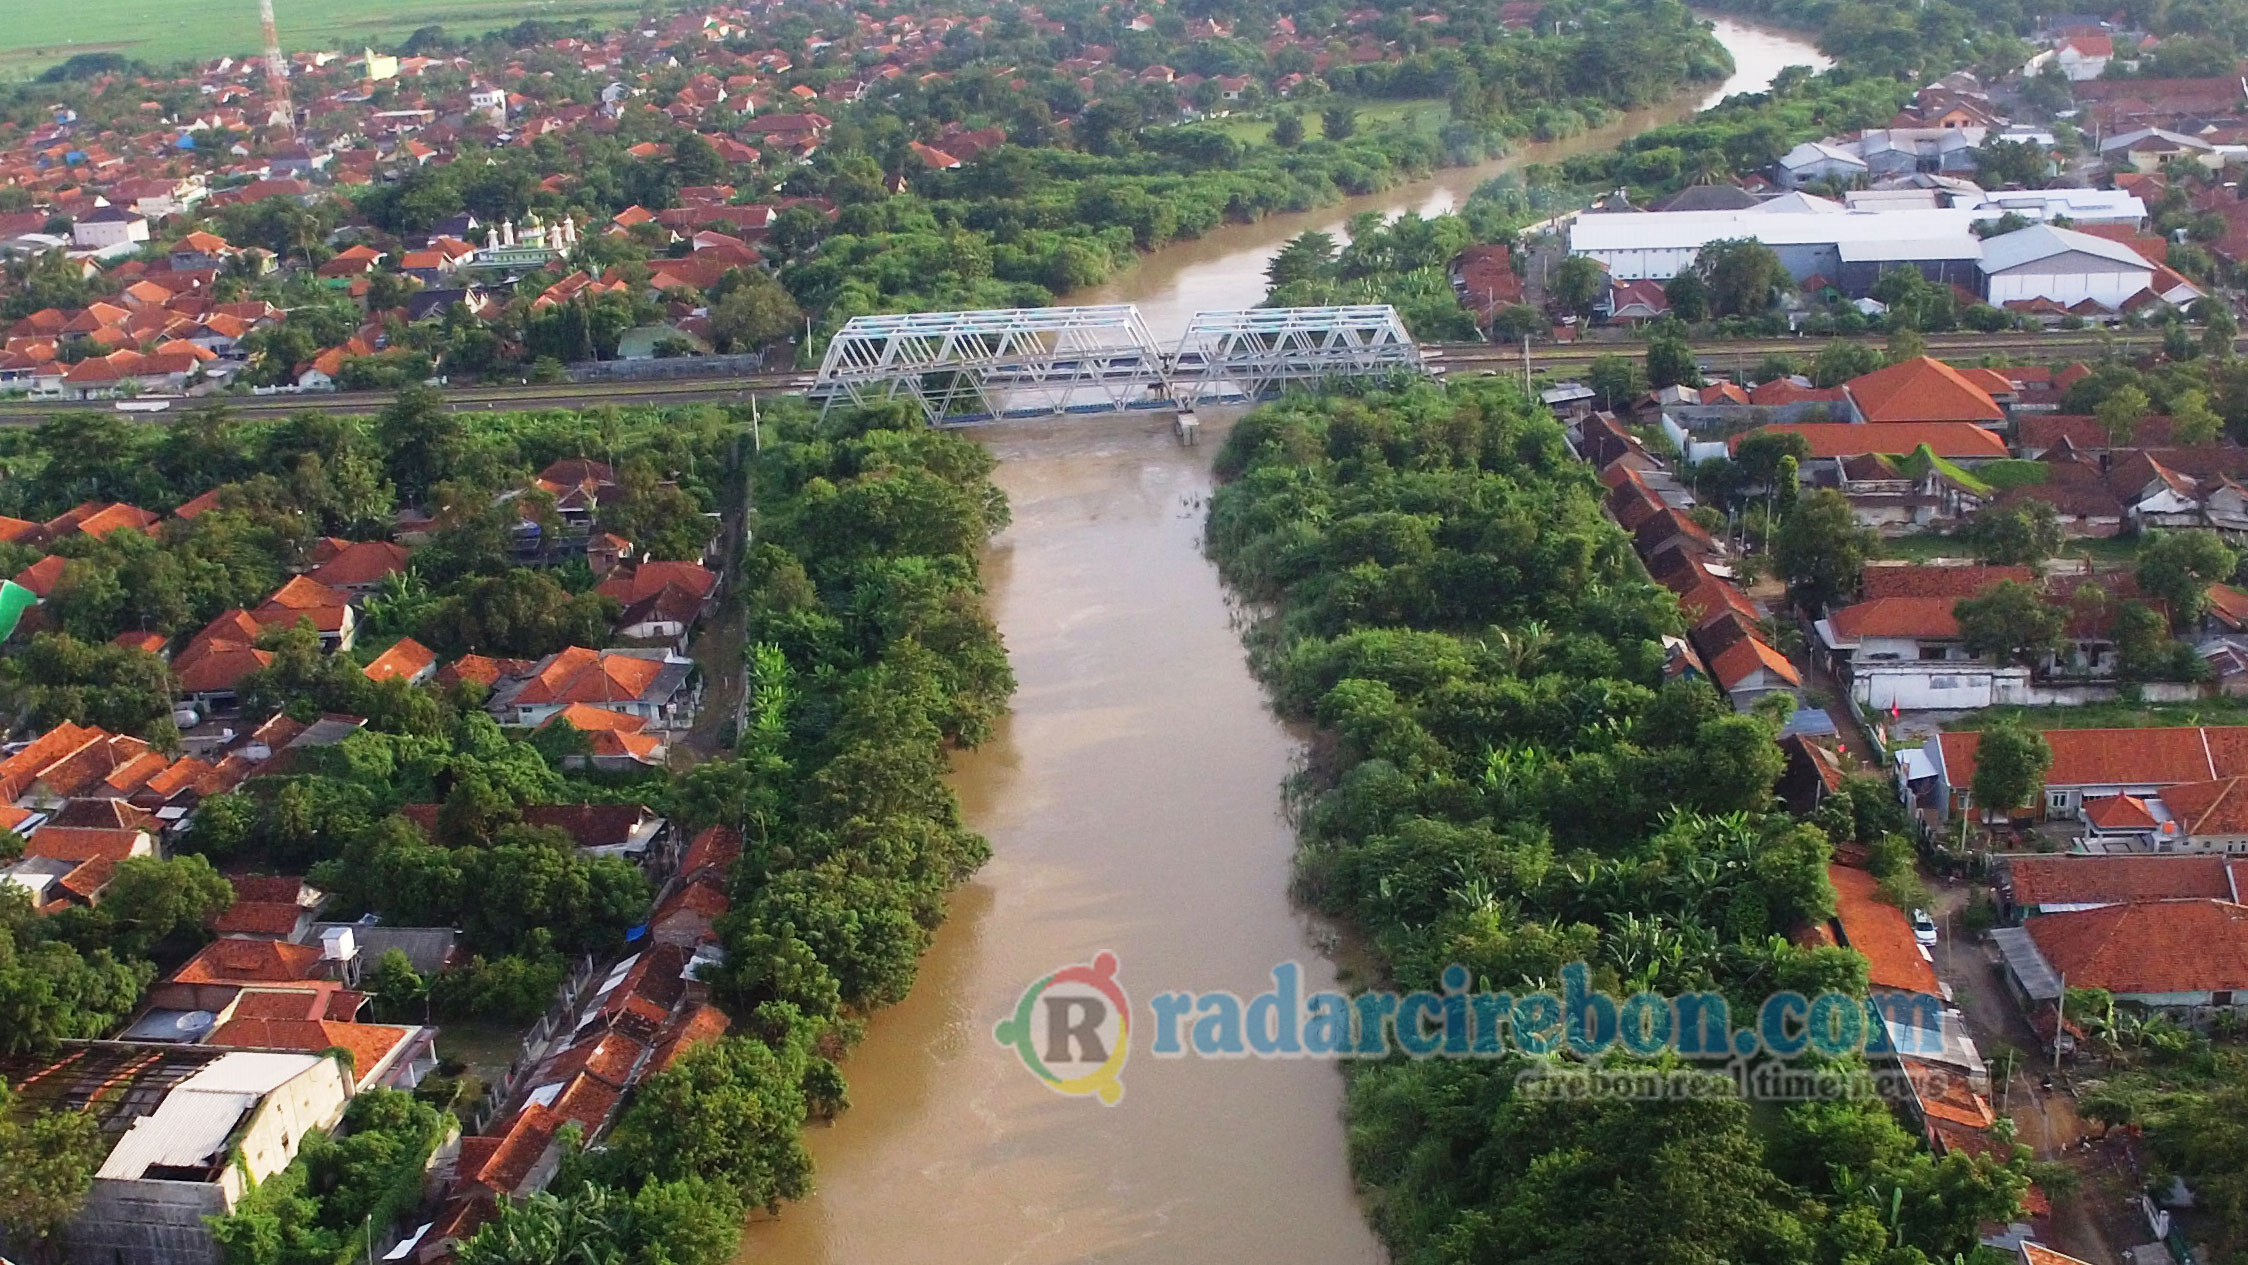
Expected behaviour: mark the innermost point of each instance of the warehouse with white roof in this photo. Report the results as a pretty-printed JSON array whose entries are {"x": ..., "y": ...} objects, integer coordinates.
[
  {"x": 2064, "y": 266},
  {"x": 1852, "y": 246}
]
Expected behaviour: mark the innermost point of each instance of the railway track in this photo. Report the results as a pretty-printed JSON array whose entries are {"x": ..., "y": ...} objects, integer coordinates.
[{"x": 1717, "y": 356}]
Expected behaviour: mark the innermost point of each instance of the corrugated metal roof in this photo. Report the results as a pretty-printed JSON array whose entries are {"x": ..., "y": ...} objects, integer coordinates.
[
  {"x": 192, "y": 1124},
  {"x": 2027, "y": 963},
  {"x": 188, "y": 1131}
]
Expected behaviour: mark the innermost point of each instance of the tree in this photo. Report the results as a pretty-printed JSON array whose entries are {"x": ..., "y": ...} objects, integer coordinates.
[
  {"x": 51, "y": 992},
  {"x": 1905, "y": 343},
  {"x": 1338, "y": 122},
  {"x": 690, "y": 1222},
  {"x": 2121, "y": 412},
  {"x": 2220, "y": 329},
  {"x": 1615, "y": 378},
  {"x": 1577, "y": 284},
  {"x": 424, "y": 439},
  {"x": 1838, "y": 362},
  {"x": 2179, "y": 566},
  {"x": 2144, "y": 649},
  {"x": 398, "y": 988},
  {"x": 756, "y": 313},
  {"x": 1670, "y": 361},
  {"x": 1305, "y": 258},
  {"x": 150, "y": 898},
  {"x": 1515, "y": 322},
  {"x": 1820, "y": 549},
  {"x": 47, "y": 1164},
  {"x": 2002, "y": 163},
  {"x": 2010, "y": 765},
  {"x": 2192, "y": 421},
  {"x": 2011, "y": 622},
  {"x": 1688, "y": 296},
  {"x": 1761, "y": 453},
  {"x": 731, "y": 1111},
  {"x": 1744, "y": 276},
  {"x": 2025, "y": 533},
  {"x": 1288, "y": 129}
]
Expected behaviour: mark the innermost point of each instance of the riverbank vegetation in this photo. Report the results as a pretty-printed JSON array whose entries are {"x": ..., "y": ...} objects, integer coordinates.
[
  {"x": 1052, "y": 212},
  {"x": 1513, "y": 786},
  {"x": 871, "y": 656}
]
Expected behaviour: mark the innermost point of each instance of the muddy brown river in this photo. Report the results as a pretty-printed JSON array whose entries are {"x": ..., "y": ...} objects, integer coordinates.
[{"x": 1133, "y": 805}]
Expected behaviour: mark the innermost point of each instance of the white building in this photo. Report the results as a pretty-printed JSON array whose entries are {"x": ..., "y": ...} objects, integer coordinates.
[
  {"x": 2064, "y": 266},
  {"x": 108, "y": 227}
]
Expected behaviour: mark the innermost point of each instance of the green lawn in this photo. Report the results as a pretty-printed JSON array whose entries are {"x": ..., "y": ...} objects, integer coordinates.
[
  {"x": 1430, "y": 113},
  {"x": 38, "y": 33}
]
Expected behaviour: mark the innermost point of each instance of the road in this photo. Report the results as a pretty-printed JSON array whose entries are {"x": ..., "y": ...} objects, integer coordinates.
[{"x": 1721, "y": 355}]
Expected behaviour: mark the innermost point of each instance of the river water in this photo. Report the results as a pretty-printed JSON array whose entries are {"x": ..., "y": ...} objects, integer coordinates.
[
  {"x": 1132, "y": 801},
  {"x": 1223, "y": 270}
]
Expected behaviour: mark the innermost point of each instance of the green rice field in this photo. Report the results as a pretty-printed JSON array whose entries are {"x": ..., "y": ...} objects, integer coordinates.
[{"x": 38, "y": 33}]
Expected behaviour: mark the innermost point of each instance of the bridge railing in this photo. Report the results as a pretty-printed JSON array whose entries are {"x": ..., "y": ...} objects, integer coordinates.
[{"x": 1027, "y": 362}]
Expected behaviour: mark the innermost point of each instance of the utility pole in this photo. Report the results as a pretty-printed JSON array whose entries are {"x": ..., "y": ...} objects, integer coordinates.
[{"x": 276, "y": 71}]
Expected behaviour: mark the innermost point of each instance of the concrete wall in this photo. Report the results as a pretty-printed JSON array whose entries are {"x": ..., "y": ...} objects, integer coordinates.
[
  {"x": 676, "y": 367},
  {"x": 147, "y": 1223},
  {"x": 2069, "y": 279}
]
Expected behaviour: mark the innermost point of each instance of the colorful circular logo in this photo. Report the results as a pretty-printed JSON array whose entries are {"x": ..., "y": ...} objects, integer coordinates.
[{"x": 1073, "y": 1028}]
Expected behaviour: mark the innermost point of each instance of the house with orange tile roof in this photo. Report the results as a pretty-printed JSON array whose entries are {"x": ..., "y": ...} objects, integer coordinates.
[
  {"x": 2030, "y": 885},
  {"x": 360, "y": 566},
  {"x": 67, "y": 865},
  {"x": 658, "y": 686},
  {"x": 98, "y": 518},
  {"x": 1881, "y": 934},
  {"x": 2089, "y": 765},
  {"x": 615, "y": 740},
  {"x": 269, "y": 908},
  {"x": 2187, "y": 959},
  {"x": 388, "y": 1056},
  {"x": 407, "y": 660},
  {"x": 305, "y": 600},
  {"x": 1922, "y": 389},
  {"x": 1964, "y": 442}
]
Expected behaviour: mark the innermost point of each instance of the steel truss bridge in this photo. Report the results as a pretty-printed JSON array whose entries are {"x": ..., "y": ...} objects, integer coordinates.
[{"x": 960, "y": 367}]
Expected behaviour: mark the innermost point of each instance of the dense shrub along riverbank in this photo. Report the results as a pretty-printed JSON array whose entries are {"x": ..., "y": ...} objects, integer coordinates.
[{"x": 1514, "y": 787}]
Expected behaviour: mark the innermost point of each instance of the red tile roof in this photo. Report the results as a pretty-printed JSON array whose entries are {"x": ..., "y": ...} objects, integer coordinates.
[
  {"x": 650, "y": 578},
  {"x": 1898, "y": 617},
  {"x": 369, "y": 1043},
  {"x": 406, "y": 658},
  {"x": 1880, "y": 932},
  {"x": 2170, "y": 947},
  {"x": 1951, "y": 440},
  {"x": 2120, "y": 757},
  {"x": 1922, "y": 389},
  {"x": 1932, "y": 581},
  {"x": 361, "y": 562},
  {"x": 2217, "y": 807},
  {"x": 1737, "y": 662},
  {"x": 259, "y": 918},
  {"x": 233, "y": 961},
  {"x": 2068, "y": 879}
]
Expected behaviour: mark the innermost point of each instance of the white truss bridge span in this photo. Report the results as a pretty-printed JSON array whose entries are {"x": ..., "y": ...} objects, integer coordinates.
[{"x": 960, "y": 367}]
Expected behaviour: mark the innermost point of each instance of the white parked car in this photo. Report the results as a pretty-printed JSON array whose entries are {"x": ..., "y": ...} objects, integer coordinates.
[{"x": 1923, "y": 927}]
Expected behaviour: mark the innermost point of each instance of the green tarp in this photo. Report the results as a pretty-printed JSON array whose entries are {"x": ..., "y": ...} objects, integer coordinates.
[{"x": 15, "y": 599}]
